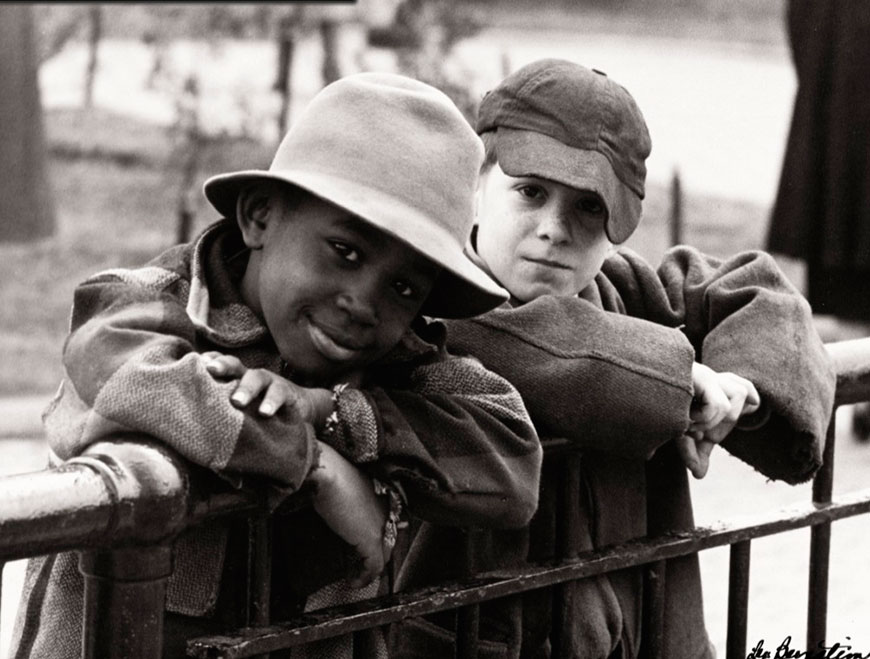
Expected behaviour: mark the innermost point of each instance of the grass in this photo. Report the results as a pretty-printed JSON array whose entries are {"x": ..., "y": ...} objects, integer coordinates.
[{"x": 115, "y": 183}]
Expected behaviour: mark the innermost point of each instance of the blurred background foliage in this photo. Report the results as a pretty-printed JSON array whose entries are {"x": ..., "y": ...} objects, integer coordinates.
[{"x": 119, "y": 188}]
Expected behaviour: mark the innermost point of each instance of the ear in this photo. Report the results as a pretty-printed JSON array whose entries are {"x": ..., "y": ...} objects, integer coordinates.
[{"x": 257, "y": 205}]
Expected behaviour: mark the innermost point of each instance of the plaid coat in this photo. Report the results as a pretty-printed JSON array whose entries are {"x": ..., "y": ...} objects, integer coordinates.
[
  {"x": 453, "y": 438},
  {"x": 595, "y": 370}
]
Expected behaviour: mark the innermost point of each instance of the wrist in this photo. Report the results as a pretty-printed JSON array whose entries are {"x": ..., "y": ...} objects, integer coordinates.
[
  {"x": 323, "y": 405},
  {"x": 324, "y": 472}
]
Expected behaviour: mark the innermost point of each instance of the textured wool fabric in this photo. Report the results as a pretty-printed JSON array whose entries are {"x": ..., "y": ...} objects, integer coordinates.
[
  {"x": 133, "y": 363},
  {"x": 594, "y": 370}
]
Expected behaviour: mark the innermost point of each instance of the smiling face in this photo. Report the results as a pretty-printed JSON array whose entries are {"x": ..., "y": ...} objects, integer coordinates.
[
  {"x": 540, "y": 237},
  {"x": 335, "y": 292}
]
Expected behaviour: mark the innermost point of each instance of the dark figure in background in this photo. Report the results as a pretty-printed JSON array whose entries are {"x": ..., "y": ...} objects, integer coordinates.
[{"x": 822, "y": 210}]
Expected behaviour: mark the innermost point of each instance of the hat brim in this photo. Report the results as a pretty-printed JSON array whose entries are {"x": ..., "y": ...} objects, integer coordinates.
[
  {"x": 461, "y": 290},
  {"x": 528, "y": 153}
]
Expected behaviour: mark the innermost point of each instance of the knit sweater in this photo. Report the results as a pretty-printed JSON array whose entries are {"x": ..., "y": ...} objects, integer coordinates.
[
  {"x": 610, "y": 370},
  {"x": 453, "y": 438}
]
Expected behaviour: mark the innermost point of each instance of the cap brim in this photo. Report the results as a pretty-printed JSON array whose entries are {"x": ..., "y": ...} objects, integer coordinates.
[
  {"x": 461, "y": 290},
  {"x": 528, "y": 153}
]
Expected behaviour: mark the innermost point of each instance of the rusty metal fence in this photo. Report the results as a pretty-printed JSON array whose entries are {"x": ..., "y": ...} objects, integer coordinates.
[{"x": 123, "y": 502}]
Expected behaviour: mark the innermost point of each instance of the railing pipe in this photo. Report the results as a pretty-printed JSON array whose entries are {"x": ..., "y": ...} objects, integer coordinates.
[
  {"x": 653, "y": 620},
  {"x": 820, "y": 548},
  {"x": 125, "y": 590},
  {"x": 467, "y": 629},
  {"x": 738, "y": 600},
  {"x": 851, "y": 361},
  {"x": 116, "y": 493}
]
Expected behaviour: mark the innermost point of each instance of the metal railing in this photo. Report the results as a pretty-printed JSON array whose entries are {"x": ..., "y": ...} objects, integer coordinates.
[{"x": 122, "y": 503}]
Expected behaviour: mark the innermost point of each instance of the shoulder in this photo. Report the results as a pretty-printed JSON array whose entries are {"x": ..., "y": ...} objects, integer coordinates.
[{"x": 159, "y": 281}]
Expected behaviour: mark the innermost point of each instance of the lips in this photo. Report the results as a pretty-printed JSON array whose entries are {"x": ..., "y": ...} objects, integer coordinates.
[
  {"x": 547, "y": 263},
  {"x": 332, "y": 346}
]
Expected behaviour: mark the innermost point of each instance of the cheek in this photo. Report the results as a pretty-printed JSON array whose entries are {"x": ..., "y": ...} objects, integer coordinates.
[{"x": 497, "y": 243}]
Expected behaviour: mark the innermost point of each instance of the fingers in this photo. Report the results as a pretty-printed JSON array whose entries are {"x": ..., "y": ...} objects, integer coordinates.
[
  {"x": 720, "y": 399},
  {"x": 705, "y": 448},
  {"x": 252, "y": 383},
  {"x": 277, "y": 394},
  {"x": 740, "y": 387},
  {"x": 223, "y": 366},
  {"x": 688, "y": 450},
  {"x": 695, "y": 452},
  {"x": 710, "y": 403}
]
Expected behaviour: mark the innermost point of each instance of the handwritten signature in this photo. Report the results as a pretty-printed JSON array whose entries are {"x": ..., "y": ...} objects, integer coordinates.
[{"x": 785, "y": 651}]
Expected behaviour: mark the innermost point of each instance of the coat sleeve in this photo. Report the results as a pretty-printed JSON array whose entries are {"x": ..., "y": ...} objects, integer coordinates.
[
  {"x": 605, "y": 381},
  {"x": 455, "y": 439},
  {"x": 131, "y": 365},
  {"x": 742, "y": 315}
]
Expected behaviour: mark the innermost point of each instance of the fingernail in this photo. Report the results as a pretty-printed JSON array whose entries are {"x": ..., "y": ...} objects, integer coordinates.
[
  {"x": 240, "y": 397},
  {"x": 267, "y": 409}
]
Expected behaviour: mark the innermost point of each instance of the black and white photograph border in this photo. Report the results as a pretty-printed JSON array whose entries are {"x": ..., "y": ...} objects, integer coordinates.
[{"x": 717, "y": 86}]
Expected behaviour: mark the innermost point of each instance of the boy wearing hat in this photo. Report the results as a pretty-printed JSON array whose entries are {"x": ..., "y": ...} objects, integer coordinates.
[
  {"x": 643, "y": 369},
  {"x": 313, "y": 292}
]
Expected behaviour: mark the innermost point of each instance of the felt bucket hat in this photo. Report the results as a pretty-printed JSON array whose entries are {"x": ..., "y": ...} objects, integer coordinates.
[
  {"x": 398, "y": 154},
  {"x": 561, "y": 121}
]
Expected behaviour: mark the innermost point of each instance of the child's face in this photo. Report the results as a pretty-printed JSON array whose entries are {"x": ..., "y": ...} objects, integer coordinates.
[
  {"x": 335, "y": 292},
  {"x": 539, "y": 237}
]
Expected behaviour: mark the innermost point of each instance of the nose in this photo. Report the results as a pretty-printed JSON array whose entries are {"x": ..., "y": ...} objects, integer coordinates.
[
  {"x": 358, "y": 302},
  {"x": 554, "y": 227}
]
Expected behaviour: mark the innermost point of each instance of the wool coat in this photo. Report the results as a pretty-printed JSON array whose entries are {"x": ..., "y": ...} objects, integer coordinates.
[
  {"x": 452, "y": 438},
  {"x": 610, "y": 370},
  {"x": 822, "y": 209}
]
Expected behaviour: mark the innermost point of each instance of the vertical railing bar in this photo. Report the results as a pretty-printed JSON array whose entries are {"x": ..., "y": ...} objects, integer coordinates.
[
  {"x": 820, "y": 548},
  {"x": 568, "y": 545},
  {"x": 467, "y": 630},
  {"x": 823, "y": 483},
  {"x": 653, "y": 619},
  {"x": 259, "y": 572},
  {"x": 124, "y": 595},
  {"x": 361, "y": 647},
  {"x": 738, "y": 600}
]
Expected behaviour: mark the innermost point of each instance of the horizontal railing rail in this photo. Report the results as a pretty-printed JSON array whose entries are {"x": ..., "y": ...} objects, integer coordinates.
[{"x": 123, "y": 502}]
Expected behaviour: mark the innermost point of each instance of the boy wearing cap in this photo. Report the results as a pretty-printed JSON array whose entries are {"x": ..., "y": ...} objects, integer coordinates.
[
  {"x": 643, "y": 369},
  {"x": 286, "y": 345}
]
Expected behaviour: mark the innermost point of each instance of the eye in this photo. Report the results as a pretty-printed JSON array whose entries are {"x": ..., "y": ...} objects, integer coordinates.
[
  {"x": 531, "y": 191},
  {"x": 404, "y": 289},
  {"x": 591, "y": 205},
  {"x": 345, "y": 251}
]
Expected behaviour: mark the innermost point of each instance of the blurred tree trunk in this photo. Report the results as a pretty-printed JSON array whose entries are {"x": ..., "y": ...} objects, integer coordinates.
[
  {"x": 26, "y": 204},
  {"x": 329, "y": 41},
  {"x": 283, "y": 81},
  {"x": 95, "y": 21}
]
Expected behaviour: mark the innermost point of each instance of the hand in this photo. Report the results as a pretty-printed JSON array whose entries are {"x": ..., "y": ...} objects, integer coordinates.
[
  {"x": 308, "y": 404},
  {"x": 345, "y": 498},
  {"x": 719, "y": 402}
]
